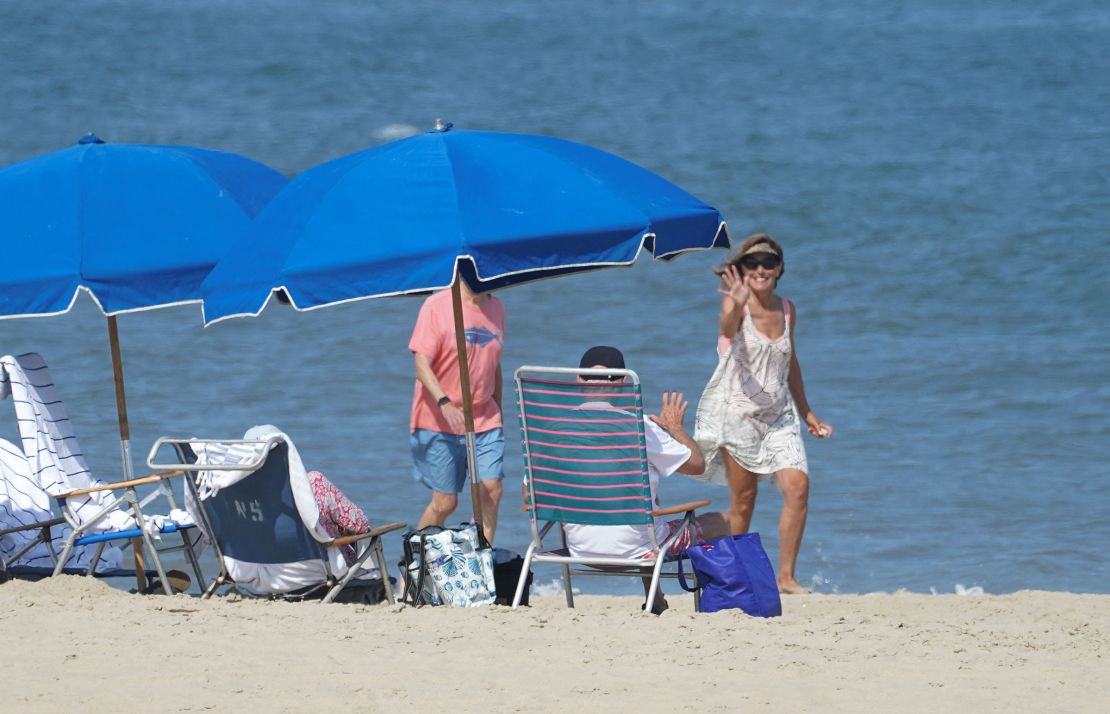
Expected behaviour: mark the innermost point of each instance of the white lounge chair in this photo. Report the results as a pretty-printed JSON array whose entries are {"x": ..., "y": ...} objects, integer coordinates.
[{"x": 49, "y": 465}]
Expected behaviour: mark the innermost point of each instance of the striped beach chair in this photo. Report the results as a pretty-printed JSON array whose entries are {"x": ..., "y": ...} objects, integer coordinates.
[
  {"x": 586, "y": 462},
  {"x": 95, "y": 516}
]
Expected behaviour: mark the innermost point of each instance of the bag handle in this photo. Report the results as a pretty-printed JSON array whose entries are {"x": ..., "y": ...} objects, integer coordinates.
[
  {"x": 414, "y": 586},
  {"x": 682, "y": 580}
]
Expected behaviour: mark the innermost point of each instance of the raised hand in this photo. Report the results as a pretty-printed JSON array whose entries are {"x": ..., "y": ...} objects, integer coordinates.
[
  {"x": 735, "y": 286},
  {"x": 672, "y": 414}
]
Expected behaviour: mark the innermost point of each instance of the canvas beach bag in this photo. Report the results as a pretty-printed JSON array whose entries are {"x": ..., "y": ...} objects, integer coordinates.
[
  {"x": 448, "y": 566},
  {"x": 734, "y": 571}
]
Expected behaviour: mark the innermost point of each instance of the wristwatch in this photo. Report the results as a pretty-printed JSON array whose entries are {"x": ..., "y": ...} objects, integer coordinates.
[{"x": 443, "y": 401}]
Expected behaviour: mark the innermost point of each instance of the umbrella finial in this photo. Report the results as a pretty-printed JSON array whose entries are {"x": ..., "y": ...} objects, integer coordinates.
[
  {"x": 442, "y": 126},
  {"x": 90, "y": 138}
]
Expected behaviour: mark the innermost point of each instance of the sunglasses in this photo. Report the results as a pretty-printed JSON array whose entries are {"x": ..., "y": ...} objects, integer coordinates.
[{"x": 768, "y": 261}]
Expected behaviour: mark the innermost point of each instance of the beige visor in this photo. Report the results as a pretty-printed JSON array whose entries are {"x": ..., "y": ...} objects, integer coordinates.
[{"x": 760, "y": 248}]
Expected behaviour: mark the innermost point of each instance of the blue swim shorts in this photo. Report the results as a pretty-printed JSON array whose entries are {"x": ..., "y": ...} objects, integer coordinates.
[{"x": 439, "y": 459}]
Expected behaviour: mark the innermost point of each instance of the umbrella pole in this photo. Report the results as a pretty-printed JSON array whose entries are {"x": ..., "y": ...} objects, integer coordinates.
[
  {"x": 468, "y": 403},
  {"x": 121, "y": 399}
]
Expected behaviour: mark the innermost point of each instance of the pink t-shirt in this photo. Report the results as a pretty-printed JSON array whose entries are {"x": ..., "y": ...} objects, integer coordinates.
[{"x": 434, "y": 336}]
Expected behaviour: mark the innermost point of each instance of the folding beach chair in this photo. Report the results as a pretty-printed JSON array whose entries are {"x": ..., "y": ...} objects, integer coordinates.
[
  {"x": 253, "y": 499},
  {"x": 49, "y": 465},
  {"x": 586, "y": 463}
]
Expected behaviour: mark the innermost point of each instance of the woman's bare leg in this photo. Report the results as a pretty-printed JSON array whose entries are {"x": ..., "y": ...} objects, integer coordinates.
[
  {"x": 792, "y": 525},
  {"x": 743, "y": 486}
]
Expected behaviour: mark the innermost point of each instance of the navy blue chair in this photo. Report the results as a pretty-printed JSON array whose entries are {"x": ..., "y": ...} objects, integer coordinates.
[{"x": 261, "y": 541}]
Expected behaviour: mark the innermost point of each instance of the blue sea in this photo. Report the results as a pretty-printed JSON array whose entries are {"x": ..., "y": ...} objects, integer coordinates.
[{"x": 938, "y": 173}]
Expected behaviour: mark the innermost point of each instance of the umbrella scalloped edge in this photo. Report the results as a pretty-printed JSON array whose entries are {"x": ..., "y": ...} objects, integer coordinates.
[
  {"x": 92, "y": 296},
  {"x": 722, "y": 231}
]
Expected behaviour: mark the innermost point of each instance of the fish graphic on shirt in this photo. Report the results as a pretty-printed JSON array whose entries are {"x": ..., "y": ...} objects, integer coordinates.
[{"x": 480, "y": 336}]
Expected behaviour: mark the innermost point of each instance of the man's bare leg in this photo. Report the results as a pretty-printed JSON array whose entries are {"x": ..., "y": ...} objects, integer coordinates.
[
  {"x": 792, "y": 525},
  {"x": 489, "y": 492},
  {"x": 440, "y": 508}
]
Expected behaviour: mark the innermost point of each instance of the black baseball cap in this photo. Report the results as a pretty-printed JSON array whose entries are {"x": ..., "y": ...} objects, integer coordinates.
[{"x": 609, "y": 357}]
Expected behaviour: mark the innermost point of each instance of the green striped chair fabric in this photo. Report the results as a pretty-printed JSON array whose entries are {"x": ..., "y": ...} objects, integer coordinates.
[{"x": 584, "y": 451}]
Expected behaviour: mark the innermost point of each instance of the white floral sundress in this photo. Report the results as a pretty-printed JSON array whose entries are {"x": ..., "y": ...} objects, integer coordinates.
[{"x": 747, "y": 408}]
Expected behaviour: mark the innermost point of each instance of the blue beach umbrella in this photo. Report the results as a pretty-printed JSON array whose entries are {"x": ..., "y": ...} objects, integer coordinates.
[
  {"x": 411, "y": 216},
  {"x": 136, "y": 227},
  {"x": 398, "y": 218}
]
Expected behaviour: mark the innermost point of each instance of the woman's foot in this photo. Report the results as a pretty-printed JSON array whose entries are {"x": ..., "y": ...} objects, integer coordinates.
[{"x": 790, "y": 586}]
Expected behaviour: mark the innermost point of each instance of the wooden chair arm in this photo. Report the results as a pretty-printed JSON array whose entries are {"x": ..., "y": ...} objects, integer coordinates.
[
  {"x": 142, "y": 480},
  {"x": 44, "y": 524},
  {"x": 372, "y": 533},
  {"x": 681, "y": 509}
]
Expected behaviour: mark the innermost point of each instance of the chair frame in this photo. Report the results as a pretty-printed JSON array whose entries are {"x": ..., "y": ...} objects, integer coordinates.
[
  {"x": 371, "y": 550},
  {"x": 615, "y": 566},
  {"x": 138, "y": 538}
]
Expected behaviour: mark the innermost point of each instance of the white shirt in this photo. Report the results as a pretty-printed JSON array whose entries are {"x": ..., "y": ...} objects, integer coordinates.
[{"x": 665, "y": 456}]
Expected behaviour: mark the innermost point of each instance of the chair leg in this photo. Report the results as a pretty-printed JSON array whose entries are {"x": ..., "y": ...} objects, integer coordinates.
[
  {"x": 64, "y": 556},
  {"x": 48, "y": 540},
  {"x": 372, "y": 552},
  {"x": 217, "y": 582},
  {"x": 519, "y": 594},
  {"x": 149, "y": 542},
  {"x": 654, "y": 584},
  {"x": 568, "y": 586},
  {"x": 95, "y": 560},
  {"x": 386, "y": 584},
  {"x": 192, "y": 556}
]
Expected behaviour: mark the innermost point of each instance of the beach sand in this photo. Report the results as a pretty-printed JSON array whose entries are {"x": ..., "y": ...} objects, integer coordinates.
[{"x": 70, "y": 641}]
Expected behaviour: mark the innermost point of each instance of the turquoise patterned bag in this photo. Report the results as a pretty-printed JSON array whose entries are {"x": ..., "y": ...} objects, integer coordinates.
[{"x": 459, "y": 568}]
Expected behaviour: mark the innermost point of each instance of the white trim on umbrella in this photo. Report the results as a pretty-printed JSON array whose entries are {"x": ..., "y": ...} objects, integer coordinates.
[
  {"x": 92, "y": 295},
  {"x": 721, "y": 228}
]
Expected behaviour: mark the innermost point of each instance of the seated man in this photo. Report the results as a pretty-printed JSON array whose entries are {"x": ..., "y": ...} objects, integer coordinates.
[{"x": 669, "y": 449}]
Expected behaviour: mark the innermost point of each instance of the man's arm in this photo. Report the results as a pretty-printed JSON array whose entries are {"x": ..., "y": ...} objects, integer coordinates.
[
  {"x": 427, "y": 378},
  {"x": 670, "y": 418}
]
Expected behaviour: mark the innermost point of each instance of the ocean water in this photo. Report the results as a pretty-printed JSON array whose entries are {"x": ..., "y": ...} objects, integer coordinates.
[{"x": 939, "y": 174}]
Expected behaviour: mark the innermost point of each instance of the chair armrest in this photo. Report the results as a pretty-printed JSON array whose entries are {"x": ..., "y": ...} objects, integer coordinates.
[
  {"x": 32, "y": 526},
  {"x": 142, "y": 480},
  {"x": 681, "y": 509},
  {"x": 372, "y": 533}
]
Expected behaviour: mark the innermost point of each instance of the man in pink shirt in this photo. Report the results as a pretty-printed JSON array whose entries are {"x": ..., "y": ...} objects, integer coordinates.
[{"x": 437, "y": 423}]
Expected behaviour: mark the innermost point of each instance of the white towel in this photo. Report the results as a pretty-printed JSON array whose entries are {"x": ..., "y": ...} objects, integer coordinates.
[
  {"x": 177, "y": 518},
  {"x": 53, "y": 458},
  {"x": 22, "y": 503},
  {"x": 209, "y": 483}
]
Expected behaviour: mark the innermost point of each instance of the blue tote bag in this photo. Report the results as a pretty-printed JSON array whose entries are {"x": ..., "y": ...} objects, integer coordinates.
[{"x": 734, "y": 571}]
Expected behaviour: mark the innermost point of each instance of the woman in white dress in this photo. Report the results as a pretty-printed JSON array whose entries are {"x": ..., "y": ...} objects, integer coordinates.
[{"x": 749, "y": 417}]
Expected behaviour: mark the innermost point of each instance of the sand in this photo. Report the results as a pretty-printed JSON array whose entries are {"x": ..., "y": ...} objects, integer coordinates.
[{"x": 72, "y": 641}]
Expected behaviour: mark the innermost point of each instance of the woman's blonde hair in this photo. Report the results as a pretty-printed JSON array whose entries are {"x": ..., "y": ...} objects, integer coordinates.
[{"x": 752, "y": 240}]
